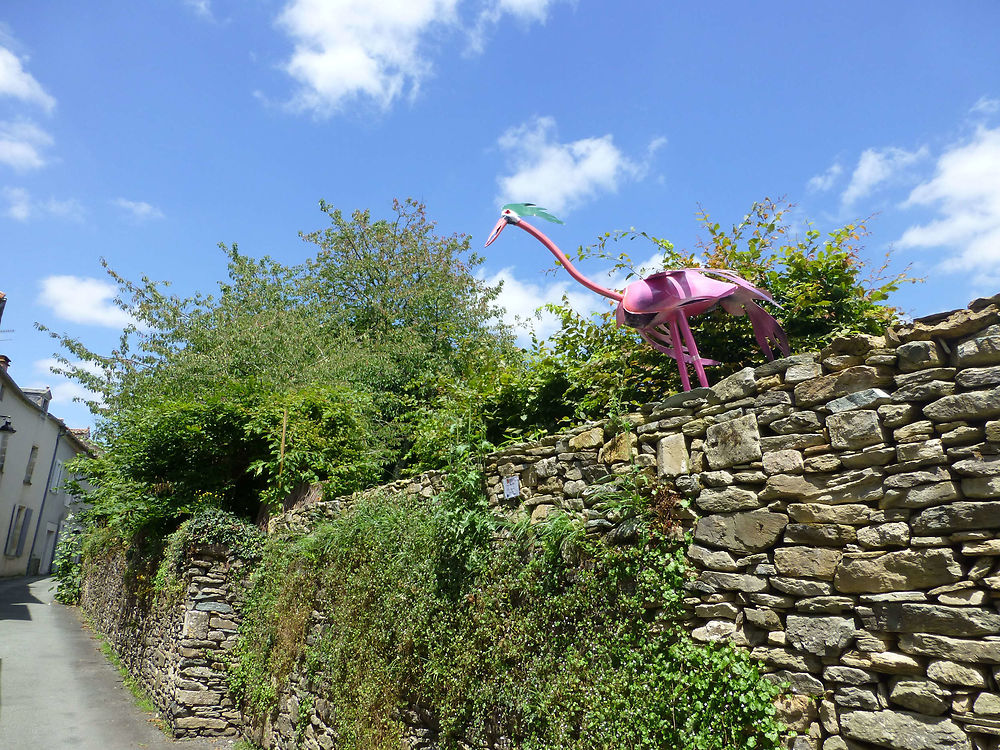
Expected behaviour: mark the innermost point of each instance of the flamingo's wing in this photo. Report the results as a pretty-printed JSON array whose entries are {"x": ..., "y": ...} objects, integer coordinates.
[{"x": 669, "y": 290}]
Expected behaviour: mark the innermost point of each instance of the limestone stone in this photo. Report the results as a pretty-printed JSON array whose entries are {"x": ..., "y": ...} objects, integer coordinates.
[
  {"x": 986, "y": 547},
  {"x": 783, "y": 462},
  {"x": 799, "y": 683},
  {"x": 899, "y": 729},
  {"x": 780, "y": 658},
  {"x": 876, "y": 455},
  {"x": 978, "y": 377},
  {"x": 925, "y": 452},
  {"x": 195, "y": 624},
  {"x": 751, "y": 531},
  {"x": 620, "y": 449},
  {"x": 822, "y": 464},
  {"x": 716, "y": 478},
  {"x": 924, "y": 376},
  {"x": 734, "y": 442},
  {"x": 919, "y": 355},
  {"x": 765, "y": 619},
  {"x": 712, "y": 559},
  {"x": 922, "y": 496},
  {"x": 952, "y": 649},
  {"x": 800, "y": 586},
  {"x": 963, "y": 406},
  {"x": 821, "y": 534},
  {"x": 793, "y": 442},
  {"x": 918, "y": 392},
  {"x": 849, "y": 487},
  {"x": 952, "y": 673},
  {"x": 897, "y": 571},
  {"x": 796, "y": 422},
  {"x": 912, "y": 617},
  {"x": 851, "y": 514},
  {"x": 727, "y": 500},
  {"x": 714, "y": 631},
  {"x": 796, "y": 712},
  {"x": 884, "y": 662},
  {"x": 953, "y": 324},
  {"x": 825, "y": 605},
  {"x": 980, "y": 466},
  {"x": 922, "y": 696},
  {"x": 854, "y": 429},
  {"x": 809, "y": 562},
  {"x": 672, "y": 456},
  {"x": 884, "y": 535},
  {"x": 869, "y": 398},
  {"x": 805, "y": 371},
  {"x": 987, "y": 704},
  {"x": 852, "y": 696},
  {"x": 829, "y": 387},
  {"x": 849, "y": 675},
  {"x": 732, "y": 581},
  {"x": 982, "y": 350},
  {"x": 737, "y": 385},
  {"x": 593, "y": 438},
  {"x": 958, "y": 516},
  {"x": 914, "y": 431},
  {"x": 821, "y": 636},
  {"x": 895, "y": 415}
]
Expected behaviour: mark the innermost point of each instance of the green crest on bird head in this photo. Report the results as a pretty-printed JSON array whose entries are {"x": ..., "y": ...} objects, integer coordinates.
[{"x": 530, "y": 209}]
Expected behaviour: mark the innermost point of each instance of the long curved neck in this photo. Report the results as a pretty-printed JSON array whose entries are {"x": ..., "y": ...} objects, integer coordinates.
[{"x": 561, "y": 257}]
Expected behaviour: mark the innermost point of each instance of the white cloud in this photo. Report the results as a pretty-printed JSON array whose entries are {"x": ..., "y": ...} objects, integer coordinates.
[
  {"x": 83, "y": 300},
  {"x": 823, "y": 182},
  {"x": 16, "y": 82},
  {"x": 138, "y": 210},
  {"x": 64, "y": 391},
  {"x": 201, "y": 8},
  {"x": 527, "y": 10},
  {"x": 985, "y": 106},
  {"x": 558, "y": 175},
  {"x": 21, "y": 206},
  {"x": 877, "y": 166},
  {"x": 22, "y": 143},
  {"x": 347, "y": 51},
  {"x": 965, "y": 190},
  {"x": 18, "y": 203}
]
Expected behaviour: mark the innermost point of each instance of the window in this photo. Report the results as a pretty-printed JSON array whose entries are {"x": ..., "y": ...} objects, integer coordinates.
[
  {"x": 31, "y": 464},
  {"x": 17, "y": 533},
  {"x": 4, "y": 437},
  {"x": 57, "y": 477}
]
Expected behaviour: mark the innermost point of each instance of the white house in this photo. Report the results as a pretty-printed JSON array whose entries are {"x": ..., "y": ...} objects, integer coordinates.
[{"x": 34, "y": 446}]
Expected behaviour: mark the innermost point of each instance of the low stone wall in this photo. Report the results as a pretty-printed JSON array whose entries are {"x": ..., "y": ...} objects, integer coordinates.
[
  {"x": 845, "y": 508},
  {"x": 176, "y": 648}
]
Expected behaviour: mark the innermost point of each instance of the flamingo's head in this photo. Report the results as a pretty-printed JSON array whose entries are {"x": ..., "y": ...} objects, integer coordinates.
[{"x": 507, "y": 216}]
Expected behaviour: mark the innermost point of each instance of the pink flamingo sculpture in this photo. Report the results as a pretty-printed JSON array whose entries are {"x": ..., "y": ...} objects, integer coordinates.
[{"x": 659, "y": 306}]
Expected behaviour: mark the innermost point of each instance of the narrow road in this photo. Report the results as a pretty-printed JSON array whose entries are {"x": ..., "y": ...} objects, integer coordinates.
[{"x": 57, "y": 691}]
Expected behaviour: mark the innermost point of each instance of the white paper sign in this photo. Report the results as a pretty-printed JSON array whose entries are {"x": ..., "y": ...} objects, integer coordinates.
[{"x": 511, "y": 487}]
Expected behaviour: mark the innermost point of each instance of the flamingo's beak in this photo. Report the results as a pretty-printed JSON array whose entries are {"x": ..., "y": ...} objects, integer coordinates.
[{"x": 496, "y": 231}]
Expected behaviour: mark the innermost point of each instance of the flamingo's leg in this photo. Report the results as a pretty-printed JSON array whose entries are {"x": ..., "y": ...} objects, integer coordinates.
[
  {"x": 658, "y": 334},
  {"x": 692, "y": 347},
  {"x": 675, "y": 337}
]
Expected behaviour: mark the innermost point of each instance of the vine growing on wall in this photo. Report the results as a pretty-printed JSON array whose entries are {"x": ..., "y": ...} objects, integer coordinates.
[{"x": 540, "y": 634}]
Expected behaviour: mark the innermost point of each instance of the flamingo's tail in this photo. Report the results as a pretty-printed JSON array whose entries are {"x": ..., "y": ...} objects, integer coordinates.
[{"x": 766, "y": 330}]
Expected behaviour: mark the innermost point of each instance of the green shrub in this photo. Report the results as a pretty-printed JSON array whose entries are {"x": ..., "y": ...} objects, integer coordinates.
[{"x": 538, "y": 633}]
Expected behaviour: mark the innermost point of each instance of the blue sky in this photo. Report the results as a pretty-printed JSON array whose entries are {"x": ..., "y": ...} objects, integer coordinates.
[{"x": 146, "y": 133}]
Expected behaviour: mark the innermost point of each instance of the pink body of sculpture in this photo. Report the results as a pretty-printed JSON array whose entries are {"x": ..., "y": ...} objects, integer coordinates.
[{"x": 658, "y": 307}]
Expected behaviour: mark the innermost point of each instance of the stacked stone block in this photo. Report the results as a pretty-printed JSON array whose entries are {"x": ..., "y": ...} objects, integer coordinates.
[{"x": 176, "y": 648}]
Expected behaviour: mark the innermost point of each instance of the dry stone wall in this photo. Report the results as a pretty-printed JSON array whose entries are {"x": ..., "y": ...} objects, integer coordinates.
[
  {"x": 175, "y": 646},
  {"x": 845, "y": 513}
]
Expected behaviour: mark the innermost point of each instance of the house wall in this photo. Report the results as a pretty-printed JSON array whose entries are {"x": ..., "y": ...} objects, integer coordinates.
[{"x": 35, "y": 427}]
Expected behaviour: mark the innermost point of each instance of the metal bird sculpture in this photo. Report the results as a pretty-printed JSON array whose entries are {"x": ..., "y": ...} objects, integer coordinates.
[{"x": 658, "y": 306}]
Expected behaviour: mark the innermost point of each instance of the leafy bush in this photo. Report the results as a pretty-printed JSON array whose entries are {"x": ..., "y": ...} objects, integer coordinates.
[
  {"x": 66, "y": 567},
  {"x": 243, "y": 541},
  {"x": 537, "y": 633}
]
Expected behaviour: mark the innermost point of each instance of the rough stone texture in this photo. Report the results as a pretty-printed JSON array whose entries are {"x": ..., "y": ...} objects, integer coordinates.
[
  {"x": 854, "y": 429},
  {"x": 732, "y": 443},
  {"x": 897, "y": 571},
  {"x": 175, "y": 649},
  {"x": 903, "y": 731}
]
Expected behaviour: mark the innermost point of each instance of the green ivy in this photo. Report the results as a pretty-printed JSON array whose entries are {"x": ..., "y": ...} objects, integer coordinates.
[{"x": 539, "y": 633}]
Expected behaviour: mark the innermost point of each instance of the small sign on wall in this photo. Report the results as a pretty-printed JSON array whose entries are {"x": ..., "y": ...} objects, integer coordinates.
[{"x": 511, "y": 487}]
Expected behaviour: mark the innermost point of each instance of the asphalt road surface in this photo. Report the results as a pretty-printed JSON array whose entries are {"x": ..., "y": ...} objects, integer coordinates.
[{"x": 57, "y": 690}]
